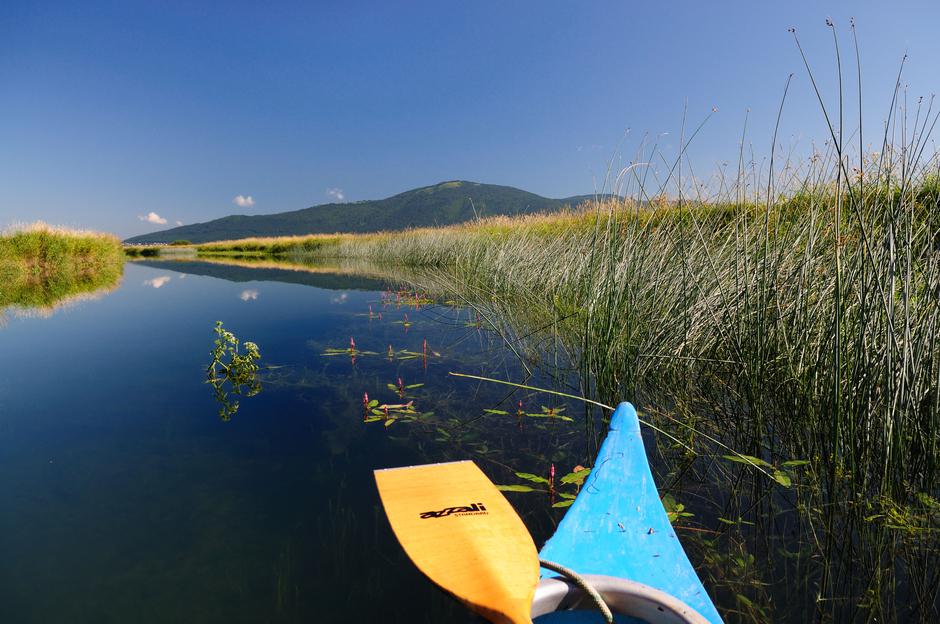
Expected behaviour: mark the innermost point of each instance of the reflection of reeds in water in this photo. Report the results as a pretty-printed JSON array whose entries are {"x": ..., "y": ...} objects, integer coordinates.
[
  {"x": 61, "y": 304},
  {"x": 340, "y": 266},
  {"x": 43, "y": 269}
]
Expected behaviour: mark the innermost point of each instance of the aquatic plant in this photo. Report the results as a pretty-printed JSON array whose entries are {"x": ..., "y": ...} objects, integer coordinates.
[
  {"x": 231, "y": 371},
  {"x": 574, "y": 479}
]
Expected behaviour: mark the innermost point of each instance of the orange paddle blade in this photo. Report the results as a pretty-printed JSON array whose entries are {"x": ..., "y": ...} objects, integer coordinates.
[{"x": 464, "y": 535}]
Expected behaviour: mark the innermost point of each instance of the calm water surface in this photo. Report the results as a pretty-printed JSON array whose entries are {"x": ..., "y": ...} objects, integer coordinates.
[{"x": 127, "y": 499}]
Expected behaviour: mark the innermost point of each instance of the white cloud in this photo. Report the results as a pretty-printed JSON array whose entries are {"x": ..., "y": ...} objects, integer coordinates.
[
  {"x": 152, "y": 217},
  {"x": 244, "y": 201},
  {"x": 158, "y": 282},
  {"x": 340, "y": 298},
  {"x": 179, "y": 223},
  {"x": 336, "y": 193},
  {"x": 248, "y": 295}
]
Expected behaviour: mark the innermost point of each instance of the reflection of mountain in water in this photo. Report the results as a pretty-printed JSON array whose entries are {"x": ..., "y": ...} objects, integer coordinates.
[{"x": 270, "y": 271}]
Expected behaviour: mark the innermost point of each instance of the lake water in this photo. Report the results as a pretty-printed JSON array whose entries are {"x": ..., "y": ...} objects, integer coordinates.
[{"x": 127, "y": 499}]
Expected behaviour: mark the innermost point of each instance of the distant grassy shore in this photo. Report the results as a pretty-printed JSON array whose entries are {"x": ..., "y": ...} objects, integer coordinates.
[{"x": 42, "y": 266}]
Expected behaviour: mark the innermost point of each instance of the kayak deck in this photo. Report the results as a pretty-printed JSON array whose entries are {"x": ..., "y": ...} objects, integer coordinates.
[{"x": 617, "y": 526}]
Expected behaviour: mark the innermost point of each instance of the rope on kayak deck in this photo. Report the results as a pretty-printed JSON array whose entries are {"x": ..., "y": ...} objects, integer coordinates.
[{"x": 580, "y": 582}]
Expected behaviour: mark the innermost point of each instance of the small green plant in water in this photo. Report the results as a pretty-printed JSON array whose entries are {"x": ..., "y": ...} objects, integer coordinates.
[
  {"x": 553, "y": 413},
  {"x": 391, "y": 413},
  {"x": 675, "y": 510},
  {"x": 574, "y": 478},
  {"x": 240, "y": 370},
  {"x": 352, "y": 351},
  {"x": 401, "y": 389}
]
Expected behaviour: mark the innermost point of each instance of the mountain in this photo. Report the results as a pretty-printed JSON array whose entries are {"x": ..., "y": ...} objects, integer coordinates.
[{"x": 442, "y": 204}]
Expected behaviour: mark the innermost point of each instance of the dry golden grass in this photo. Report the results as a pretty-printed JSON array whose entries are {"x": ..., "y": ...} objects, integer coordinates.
[
  {"x": 546, "y": 223},
  {"x": 55, "y": 230}
]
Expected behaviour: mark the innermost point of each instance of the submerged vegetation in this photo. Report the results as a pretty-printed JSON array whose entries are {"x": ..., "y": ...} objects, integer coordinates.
[{"x": 43, "y": 267}]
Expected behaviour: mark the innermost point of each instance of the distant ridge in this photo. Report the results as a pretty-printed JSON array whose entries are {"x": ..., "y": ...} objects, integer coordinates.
[{"x": 446, "y": 203}]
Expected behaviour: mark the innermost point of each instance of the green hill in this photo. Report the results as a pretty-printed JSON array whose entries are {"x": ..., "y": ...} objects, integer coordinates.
[{"x": 441, "y": 204}]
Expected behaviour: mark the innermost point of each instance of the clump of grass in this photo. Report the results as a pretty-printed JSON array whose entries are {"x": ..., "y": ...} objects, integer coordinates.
[
  {"x": 43, "y": 266},
  {"x": 148, "y": 251},
  {"x": 269, "y": 245}
]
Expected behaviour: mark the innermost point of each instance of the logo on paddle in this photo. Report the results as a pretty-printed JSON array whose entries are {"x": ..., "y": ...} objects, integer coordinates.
[{"x": 467, "y": 510}]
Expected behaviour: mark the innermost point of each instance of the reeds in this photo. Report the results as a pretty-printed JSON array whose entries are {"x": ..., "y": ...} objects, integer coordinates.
[{"x": 42, "y": 266}]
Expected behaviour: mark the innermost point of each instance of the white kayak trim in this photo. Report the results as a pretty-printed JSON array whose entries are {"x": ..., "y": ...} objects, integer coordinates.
[{"x": 624, "y": 597}]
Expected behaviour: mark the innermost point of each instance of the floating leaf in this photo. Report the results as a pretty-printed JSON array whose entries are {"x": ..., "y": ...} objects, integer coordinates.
[
  {"x": 388, "y": 423},
  {"x": 744, "y": 600},
  {"x": 748, "y": 459},
  {"x": 564, "y": 503},
  {"x": 373, "y": 403},
  {"x": 531, "y": 477},
  {"x": 551, "y": 416},
  {"x": 412, "y": 386},
  {"x": 576, "y": 477},
  {"x": 496, "y": 411},
  {"x": 516, "y": 488},
  {"x": 782, "y": 478}
]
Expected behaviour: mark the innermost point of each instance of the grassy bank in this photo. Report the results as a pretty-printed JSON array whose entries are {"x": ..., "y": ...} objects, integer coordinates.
[{"x": 42, "y": 266}]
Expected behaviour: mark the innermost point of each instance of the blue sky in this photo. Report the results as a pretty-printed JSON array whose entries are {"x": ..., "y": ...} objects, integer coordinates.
[{"x": 110, "y": 111}]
